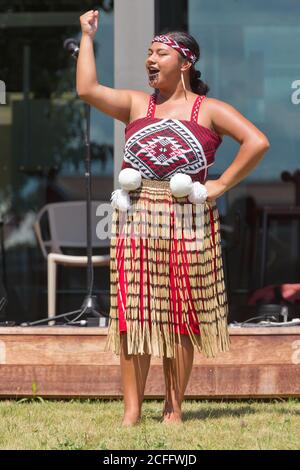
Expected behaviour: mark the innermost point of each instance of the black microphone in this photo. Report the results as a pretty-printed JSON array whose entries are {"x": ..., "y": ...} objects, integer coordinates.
[{"x": 71, "y": 45}]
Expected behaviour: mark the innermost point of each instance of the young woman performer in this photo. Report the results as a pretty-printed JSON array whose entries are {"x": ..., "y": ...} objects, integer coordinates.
[{"x": 167, "y": 292}]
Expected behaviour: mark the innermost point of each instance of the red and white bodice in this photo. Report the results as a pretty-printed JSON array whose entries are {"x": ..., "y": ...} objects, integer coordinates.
[{"x": 159, "y": 148}]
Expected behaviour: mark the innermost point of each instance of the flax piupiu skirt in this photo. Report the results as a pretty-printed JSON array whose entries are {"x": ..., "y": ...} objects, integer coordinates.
[{"x": 167, "y": 275}]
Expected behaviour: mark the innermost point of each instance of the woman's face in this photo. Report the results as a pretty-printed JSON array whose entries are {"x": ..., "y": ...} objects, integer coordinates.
[{"x": 162, "y": 64}]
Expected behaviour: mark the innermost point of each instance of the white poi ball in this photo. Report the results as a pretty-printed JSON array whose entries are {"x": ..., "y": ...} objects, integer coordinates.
[
  {"x": 181, "y": 184},
  {"x": 120, "y": 200},
  {"x": 198, "y": 193},
  {"x": 130, "y": 179}
]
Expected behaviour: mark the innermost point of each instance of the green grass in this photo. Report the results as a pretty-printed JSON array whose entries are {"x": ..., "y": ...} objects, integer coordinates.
[{"x": 88, "y": 424}]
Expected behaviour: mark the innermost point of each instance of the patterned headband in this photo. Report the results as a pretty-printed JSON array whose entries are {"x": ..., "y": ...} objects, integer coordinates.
[{"x": 181, "y": 48}]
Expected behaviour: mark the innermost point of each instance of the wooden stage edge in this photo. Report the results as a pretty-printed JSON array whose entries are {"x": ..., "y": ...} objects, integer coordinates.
[{"x": 70, "y": 362}]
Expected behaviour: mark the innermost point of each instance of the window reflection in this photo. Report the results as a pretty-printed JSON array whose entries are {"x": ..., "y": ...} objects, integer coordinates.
[
  {"x": 41, "y": 135},
  {"x": 250, "y": 60}
]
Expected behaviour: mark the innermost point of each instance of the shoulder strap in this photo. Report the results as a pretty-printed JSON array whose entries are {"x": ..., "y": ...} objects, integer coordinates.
[
  {"x": 196, "y": 107},
  {"x": 152, "y": 105}
]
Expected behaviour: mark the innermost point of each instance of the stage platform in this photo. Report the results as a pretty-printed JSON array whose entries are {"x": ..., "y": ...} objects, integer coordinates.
[{"x": 68, "y": 362}]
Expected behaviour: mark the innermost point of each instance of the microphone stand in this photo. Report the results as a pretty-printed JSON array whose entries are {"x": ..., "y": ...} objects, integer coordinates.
[{"x": 90, "y": 305}]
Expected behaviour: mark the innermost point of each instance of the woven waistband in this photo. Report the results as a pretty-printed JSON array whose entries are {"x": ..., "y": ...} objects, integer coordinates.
[{"x": 155, "y": 183}]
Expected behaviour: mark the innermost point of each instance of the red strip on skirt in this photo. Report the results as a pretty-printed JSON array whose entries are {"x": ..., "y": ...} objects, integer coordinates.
[{"x": 177, "y": 275}]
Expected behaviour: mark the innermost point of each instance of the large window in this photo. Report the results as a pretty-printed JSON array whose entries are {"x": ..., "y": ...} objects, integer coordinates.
[
  {"x": 250, "y": 59},
  {"x": 41, "y": 136}
]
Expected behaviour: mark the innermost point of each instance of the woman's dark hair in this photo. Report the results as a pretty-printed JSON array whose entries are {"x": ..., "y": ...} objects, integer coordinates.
[{"x": 198, "y": 86}]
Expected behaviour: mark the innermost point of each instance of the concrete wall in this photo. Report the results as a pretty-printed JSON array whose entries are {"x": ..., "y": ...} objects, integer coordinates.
[{"x": 133, "y": 29}]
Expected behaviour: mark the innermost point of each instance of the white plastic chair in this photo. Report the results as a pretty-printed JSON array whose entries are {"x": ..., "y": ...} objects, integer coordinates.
[{"x": 67, "y": 229}]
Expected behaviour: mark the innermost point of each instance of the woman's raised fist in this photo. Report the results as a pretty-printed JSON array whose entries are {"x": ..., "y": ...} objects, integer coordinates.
[{"x": 89, "y": 22}]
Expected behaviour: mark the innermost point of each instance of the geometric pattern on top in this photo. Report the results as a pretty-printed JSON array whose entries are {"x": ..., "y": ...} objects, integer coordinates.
[{"x": 161, "y": 149}]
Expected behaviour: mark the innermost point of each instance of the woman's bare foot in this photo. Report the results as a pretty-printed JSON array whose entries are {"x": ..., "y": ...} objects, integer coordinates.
[
  {"x": 172, "y": 418},
  {"x": 131, "y": 419},
  {"x": 170, "y": 415}
]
